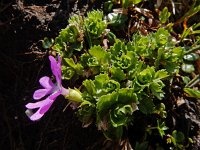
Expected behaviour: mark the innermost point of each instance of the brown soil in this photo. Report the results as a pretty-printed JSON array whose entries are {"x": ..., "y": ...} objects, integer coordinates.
[{"x": 23, "y": 61}]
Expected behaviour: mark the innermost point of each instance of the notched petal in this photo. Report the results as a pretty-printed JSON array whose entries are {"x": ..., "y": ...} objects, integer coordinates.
[
  {"x": 56, "y": 68},
  {"x": 36, "y": 116},
  {"x": 38, "y": 94},
  {"x": 32, "y": 105},
  {"x": 53, "y": 65},
  {"x": 46, "y": 82}
]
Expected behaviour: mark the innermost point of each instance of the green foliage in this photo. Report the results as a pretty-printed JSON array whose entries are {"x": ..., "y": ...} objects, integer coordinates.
[
  {"x": 101, "y": 56},
  {"x": 47, "y": 43},
  {"x": 159, "y": 49},
  {"x": 164, "y": 15},
  {"x": 68, "y": 40},
  {"x": 71, "y": 69},
  {"x": 189, "y": 58},
  {"x": 146, "y": 105},
  {"x": 94, "y": 27},
  {"x": 150, "y": 79},
  {"x": 188, "y": 68},
  {"x": 72, "y": 37},
  {"x": 117, "y": 73},
  {"x": 136, "y": 1},
  {"x": 192, "y": 92},
  {"x": 117, "y": 20},
  {"x": 123, "y": 81},
  {"x": 160, "y": 110},
  {"x": 177, "y": 138},
  {"x": 161, "y": 128},
  {"x": 114, "y": 105}
]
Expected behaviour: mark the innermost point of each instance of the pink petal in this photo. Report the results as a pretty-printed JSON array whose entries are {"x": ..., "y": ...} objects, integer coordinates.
[
  {"x": 53, "y": 65},
  {"x": 37, "y": 104},
  {"x": 54, "y": 95},
  {"x": 45, "y": 108},
  {"x": 38, "y": 94},
  {"x": 44, "y": 105},
  {"x": 56, "y": 68},
  {"x": 64, "y": 91},
  {"x": 46, "y": 82},
  {"x": 50, "y": 100},
  {"x": 37, "y": 115},
  {"x": 59, "y": 72},
  {"x": 58, "y": 80}
]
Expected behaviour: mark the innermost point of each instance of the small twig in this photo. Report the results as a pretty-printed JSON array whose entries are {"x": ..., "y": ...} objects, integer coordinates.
[
  {"x": 33, "y": 52},
  {"x": 194, "y": 81},
  {"x": 66, "y": 106},
  {"x": 192, "y": 50}
]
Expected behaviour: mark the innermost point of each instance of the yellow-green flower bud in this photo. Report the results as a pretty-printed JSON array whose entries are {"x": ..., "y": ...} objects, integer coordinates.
[{"x": 74, "y": 95}]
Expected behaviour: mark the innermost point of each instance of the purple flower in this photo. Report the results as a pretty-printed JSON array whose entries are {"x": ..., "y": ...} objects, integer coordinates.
[{"x": 50, "y": 89}]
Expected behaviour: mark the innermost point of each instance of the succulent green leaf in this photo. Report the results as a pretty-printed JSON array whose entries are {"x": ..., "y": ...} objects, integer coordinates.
[
  {"x": 110, "y": 86},
  {"x": 100, "y": 80},
  {"x": 117, "y": 73},
  {"x": 178, "y": 53},
  {"x": 188, "y": 68},
  {"x": 146, "y": 75},
  {"x": 161, "y": 128},
  {"x": 160, "y": 74},
  {"x": 178, "y": 136},
  {"x": 156, "y": 89},
  {"x": 72, "y": 34},
  {"x": 191, "y": 57},
  {"x": 84, "y": 59},
  {"x": 164, "y": 15},
  {"x": 85, "y": 113},
  {"x": 88, "y": 61},
  {"x": 127, "y": 96},
  {"x": 160, "y": 110},
  {"x": 105, "y": 103},
  {"x": 118, "y": 49},
  {"x": 161, "y": 36},
  {"x": 57, "y": 47},
  {"x": 121, "y": 115},
  {"x": 104, "y": 85},
  {"x": 90, "y": 87},
  {"x": 76, "y": 20},
  {"x": 67, "y": 72},
  {"x": 95, "y": 15},
  {"x": 124, "y": 62},
  {"x": 77, "y": 67},
  {"x": 94, "y": 24},
  {"x": 47, "y": 43},
  {"x": 146, "y": 105},
  {"x": 93, "y": 62},
  {"x": 101, "y": 55}
]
